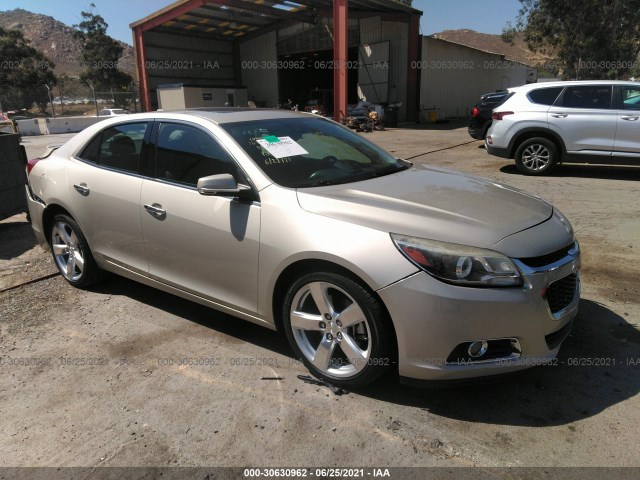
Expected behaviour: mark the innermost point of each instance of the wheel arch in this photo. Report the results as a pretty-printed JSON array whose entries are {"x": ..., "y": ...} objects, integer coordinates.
[
  {"x": 47, "y": 218},
  {"x": 304, "y": 266},
  {"x": 528, "y": 133}
]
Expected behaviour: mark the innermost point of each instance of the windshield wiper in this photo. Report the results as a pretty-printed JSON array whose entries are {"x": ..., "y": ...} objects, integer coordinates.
[
  {"x": 319, "y": 183},
  {"x": 389, "y": 169}
]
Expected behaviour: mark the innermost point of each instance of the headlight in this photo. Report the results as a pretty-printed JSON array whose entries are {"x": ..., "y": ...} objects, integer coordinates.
[{"x": 459, "y": 264}]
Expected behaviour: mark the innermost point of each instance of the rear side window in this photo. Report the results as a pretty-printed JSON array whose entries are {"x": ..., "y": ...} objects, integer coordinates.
[
  {"x": 117, "y": 147},
  {"x": 184, "y": 154},
  {"x": 493, "y": 101},
  {"x": 587, "y": 96},
  {"x": 545, "y": 96}
]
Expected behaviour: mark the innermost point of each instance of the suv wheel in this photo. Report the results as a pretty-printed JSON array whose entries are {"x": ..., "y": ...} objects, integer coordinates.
[{"x": 536, "y": 156}]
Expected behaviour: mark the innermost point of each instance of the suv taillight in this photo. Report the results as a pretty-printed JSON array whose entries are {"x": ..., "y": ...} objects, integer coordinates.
[
  {"x": 474, "y": 112},
  {"x": 500, "y": 115}
]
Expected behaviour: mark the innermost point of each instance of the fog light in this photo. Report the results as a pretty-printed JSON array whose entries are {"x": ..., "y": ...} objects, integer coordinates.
[
  {"x": 478, "y": 349},
  {"x": 489, "y": 140}
]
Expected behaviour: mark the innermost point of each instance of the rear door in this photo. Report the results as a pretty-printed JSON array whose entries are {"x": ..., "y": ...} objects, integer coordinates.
[
  {"x": 105, "y": 182},
  {"x": 206, "y": 245},
  {"x": 585, "y": 119},
  {"x": 627, "y": 141}
]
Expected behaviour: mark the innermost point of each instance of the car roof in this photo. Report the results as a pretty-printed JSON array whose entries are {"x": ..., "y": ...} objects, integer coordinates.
[
  {"x": 225, "y": 115},
  {"x": 533, "y": 86}
]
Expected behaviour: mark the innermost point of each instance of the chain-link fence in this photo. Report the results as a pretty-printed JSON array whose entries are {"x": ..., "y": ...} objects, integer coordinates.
[{"x": 69, "y": 97}]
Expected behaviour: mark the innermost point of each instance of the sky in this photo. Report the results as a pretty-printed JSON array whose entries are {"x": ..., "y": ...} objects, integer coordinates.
[{"x": 486, "y": 16}]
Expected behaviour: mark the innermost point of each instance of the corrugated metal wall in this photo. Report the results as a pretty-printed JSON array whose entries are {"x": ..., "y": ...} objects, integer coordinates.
[
  {"x": 258, "y": 58},
  {"x": 398, "y": 35},
  {"x": 184, "y": 59},
  {"x": 374, "y": 30},
  {"x": 454, "y": 76}
]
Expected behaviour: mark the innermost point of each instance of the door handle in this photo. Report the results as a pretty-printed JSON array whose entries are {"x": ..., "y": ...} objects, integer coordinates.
[
  {"x": 559, "y": 115},
  {"x": 82, "y": 189},
  {"x": 630, "y": 118},
  {"x": 156, "y": 210}
]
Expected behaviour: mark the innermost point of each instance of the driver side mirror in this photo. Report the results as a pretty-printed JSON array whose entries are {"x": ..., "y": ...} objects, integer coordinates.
[{"x": 223, "y": 184}]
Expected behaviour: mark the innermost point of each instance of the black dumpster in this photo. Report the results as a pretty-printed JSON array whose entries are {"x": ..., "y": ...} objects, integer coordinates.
[{"x": 12, "y": 176}]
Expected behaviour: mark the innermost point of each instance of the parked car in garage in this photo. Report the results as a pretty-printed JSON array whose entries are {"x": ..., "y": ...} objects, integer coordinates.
[
  {"x": 365, "y": 262},
  {"x": 480, "y": 119},
  {"x": 543, "y": 125}
]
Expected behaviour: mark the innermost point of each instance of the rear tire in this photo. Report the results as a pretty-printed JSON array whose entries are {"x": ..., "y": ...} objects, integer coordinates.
[
  {"x": 71, "y": 253},
  {"x": 536, "y": 156},
  {"x": 338, "y": 329}
]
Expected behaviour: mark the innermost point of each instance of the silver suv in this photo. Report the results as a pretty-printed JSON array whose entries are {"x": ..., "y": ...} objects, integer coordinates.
[{"x": 542, "y": 125}]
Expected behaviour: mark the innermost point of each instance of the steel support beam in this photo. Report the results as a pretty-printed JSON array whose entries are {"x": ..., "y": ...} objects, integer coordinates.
[
  {"x": 413, "y": 87},
  {"x": 143, "y": 75},
  {"x": 340, "y": 57}
]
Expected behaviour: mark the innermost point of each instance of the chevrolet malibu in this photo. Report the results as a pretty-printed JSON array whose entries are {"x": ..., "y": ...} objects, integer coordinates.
[{"x": 364, "y": 261}]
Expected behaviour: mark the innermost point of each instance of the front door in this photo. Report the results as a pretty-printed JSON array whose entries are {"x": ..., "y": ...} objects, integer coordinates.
[
  {"x": 207, "y": 245},
  {"x": 628, "y": 133}
]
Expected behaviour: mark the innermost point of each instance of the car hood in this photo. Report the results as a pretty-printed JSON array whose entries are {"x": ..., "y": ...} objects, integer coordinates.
[{"x": 431, "y": 203}]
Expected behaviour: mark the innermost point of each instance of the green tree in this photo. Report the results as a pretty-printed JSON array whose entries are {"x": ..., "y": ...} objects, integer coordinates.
[
  {"x": 592, "y": 39},
  {"x": 23, "y": 73},
  {"x": 100, "y": 55}
]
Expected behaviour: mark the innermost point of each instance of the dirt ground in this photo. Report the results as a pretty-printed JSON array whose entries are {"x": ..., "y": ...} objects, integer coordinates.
[{"x": 124, "y": 375}]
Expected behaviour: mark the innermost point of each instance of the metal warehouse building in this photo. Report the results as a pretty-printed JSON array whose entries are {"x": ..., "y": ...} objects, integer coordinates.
[
  {"x": 326, "y": 52},
  {"x": 453, "y": 76}
]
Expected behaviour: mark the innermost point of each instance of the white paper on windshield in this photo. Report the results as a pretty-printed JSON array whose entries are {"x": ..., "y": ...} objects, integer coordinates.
[{"x": 281, "y": 147}]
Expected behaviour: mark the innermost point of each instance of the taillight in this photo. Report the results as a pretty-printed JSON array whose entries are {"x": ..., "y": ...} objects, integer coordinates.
[
  {"x": 475, "y": 112},
  {"x": 500, "y": 115},
  {"x": 32, "y": 163}
]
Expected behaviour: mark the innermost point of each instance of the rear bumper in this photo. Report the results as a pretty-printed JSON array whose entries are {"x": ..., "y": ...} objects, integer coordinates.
[
  {"x": 36, "y": 213},
  {"x": 476, "y": 132},
  {"x": 497, "y": 151}
]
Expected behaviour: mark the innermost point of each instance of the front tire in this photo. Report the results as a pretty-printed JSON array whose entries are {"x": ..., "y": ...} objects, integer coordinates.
[
  {"x": 71, "y": 253},
  {"x": 536, "y": 156},
  {"x": 338, "y": 329}
]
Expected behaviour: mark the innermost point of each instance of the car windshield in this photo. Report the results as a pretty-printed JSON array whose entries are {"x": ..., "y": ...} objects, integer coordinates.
[{"x": 311, "y": 152}]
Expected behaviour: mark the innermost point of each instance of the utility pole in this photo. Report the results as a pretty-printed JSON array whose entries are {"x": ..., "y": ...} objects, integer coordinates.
[
  {"x": 53, "y": 112},
  {"x": 95, "y": 101}
]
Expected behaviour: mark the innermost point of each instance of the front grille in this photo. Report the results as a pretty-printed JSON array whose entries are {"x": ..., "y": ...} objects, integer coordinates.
[
  {"x": 561, "y": 293},
  {"x": 556, "y": 338},
  {"x": 547, "y": 259}
]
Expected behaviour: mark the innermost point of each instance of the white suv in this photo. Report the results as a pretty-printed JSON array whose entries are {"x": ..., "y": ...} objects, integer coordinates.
[{"x": 544, "y": 124}]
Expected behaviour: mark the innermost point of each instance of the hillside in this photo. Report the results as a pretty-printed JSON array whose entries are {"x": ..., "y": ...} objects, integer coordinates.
[
  {"x": 518, "y": 52},
  {"x": 54, "y": 40}
]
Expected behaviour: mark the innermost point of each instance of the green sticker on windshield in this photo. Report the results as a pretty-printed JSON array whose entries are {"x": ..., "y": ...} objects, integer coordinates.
[{"x": 271, "y": 139}]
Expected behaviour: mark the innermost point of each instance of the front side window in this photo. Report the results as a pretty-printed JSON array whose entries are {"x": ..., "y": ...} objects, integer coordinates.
[
  {"x": 587, "y": 96},
  {"x": 308, "y": 152},
  {"x": 185, "y": 154},
  {"x": 117, "y": 147},
  {"x": 630, "y": 98}
]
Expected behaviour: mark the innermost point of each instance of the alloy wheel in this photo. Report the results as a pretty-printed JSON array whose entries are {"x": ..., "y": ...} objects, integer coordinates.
[
  {"x": 67, "y": 251},
  {"x": 331, "y": 329},
  {"x": 536, "y": 157}
]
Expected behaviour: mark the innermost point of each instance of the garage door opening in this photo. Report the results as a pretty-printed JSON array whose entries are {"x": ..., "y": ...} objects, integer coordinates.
[{"x": 307, "y": 79}]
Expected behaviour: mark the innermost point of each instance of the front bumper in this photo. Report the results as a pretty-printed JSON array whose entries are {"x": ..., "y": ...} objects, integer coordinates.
[{"x": 432, "y": 319}]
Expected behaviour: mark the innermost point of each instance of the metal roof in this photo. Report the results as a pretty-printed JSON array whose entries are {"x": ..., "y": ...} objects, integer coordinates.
[{"x": 230, "y": 19}]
